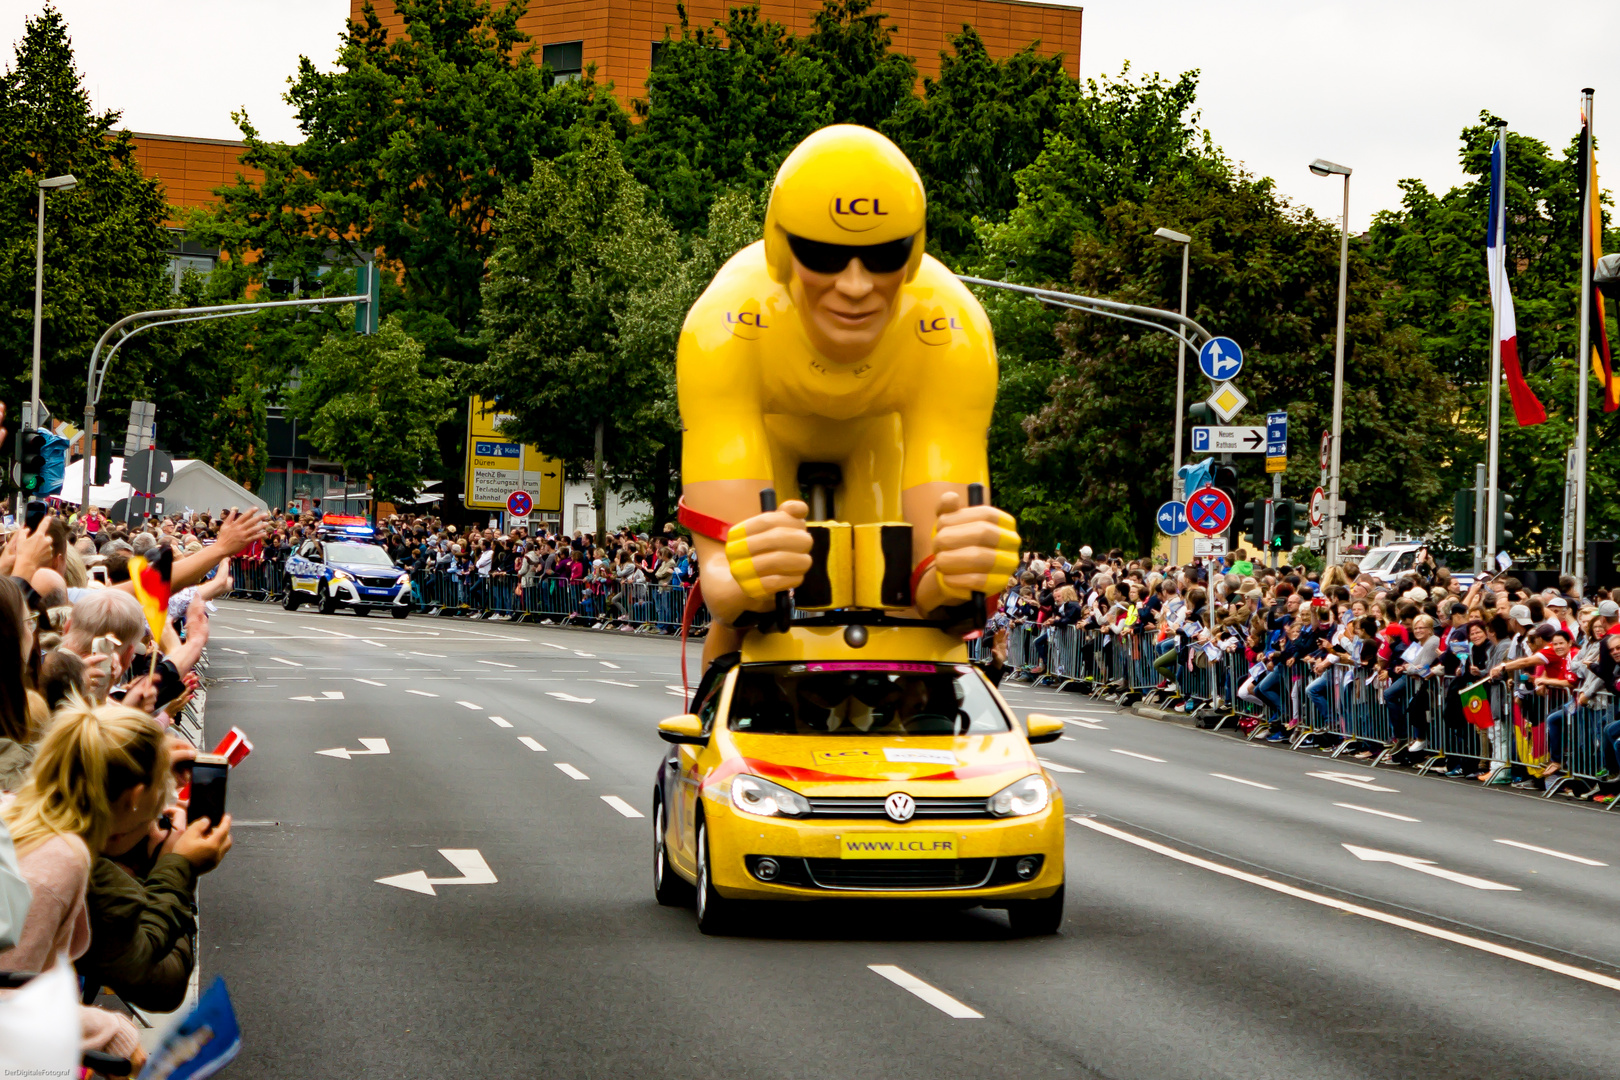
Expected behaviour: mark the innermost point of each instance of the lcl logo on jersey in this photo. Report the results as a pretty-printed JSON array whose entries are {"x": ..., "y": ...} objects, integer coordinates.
[
  {"x": 747, "y": 321},
  {"x": 857, "y": 214},
  {"x": 935, "y": 327}
]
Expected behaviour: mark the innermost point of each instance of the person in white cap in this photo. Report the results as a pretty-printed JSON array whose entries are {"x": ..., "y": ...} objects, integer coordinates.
[
  {"x": 1558, "y": 615},
  {"x": 1609, "y": 612}
]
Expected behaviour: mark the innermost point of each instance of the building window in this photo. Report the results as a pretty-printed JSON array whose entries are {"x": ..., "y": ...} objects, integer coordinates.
[
  {"x": 659, "y": 48},
  {"x": 566, "y": 59},
  {"x": 188, "y": 255}
]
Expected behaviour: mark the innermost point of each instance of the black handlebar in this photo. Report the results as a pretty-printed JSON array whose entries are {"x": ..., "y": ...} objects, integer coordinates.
[
  {"x": 976, "y": 498},
  {"x": 784, "y": 601}
]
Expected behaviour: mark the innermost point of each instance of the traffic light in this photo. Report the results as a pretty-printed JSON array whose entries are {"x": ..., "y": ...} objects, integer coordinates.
[
  {"x": 104, "y": 449},
  {"x": 1504, "y": 520},
  {"x": 1202, "y": 414},
  {"x": 1288, "y": 521},
  {"x": 31, "y": 461},
  {"x": 1254, "y": 522},
  {"x": 1462, "y": 518},
  {"x": 367, "y": 280}
]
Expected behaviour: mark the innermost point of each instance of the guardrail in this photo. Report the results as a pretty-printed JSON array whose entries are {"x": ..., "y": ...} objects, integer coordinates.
[
  {"x": 1343, "y": 710},
  {"x": 596, "y": 604}
]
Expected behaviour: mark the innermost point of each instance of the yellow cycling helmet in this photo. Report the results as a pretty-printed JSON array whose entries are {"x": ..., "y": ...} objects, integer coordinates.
[{"x": 844, "y": 185}]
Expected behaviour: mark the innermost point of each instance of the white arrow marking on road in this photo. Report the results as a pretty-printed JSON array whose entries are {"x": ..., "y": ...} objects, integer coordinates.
[
  {"x": 303, "y": 697},
  {"x": 1055, "y": 767},
  {"x": 622, "y": 807},
  {"x": 421, "y": 693},
  {"x": 571, "y": 771},
  {"x": 936, "y": 997},
  {"x": 470, "y": 705},
  {"x": 501, "y": 721},
  {"x": 1355, "y": 780},
  {"x": 1555, "y": 854},
  {"x": 530, "y": 743},
  {"x": 474, "y": 871},
  {"x": 1426, "y": 866},
  {"x": 371, "y": 682},
  {"x": 289, "y": 663},
  {"x": 569, "y": 697},
  {"x": 372, "y": 746}
]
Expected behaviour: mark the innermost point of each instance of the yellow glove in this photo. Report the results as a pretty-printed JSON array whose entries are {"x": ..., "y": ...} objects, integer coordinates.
[
  {"x": 770, "y": 552},
  {"x": 975, "y": 549}
]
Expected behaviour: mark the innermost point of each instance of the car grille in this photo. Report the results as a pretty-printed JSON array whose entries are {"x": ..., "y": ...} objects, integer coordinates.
[
  {"x": 899, "y": 873},
  {"x": 927, "y": 809},
  {"x": 379, "y": 582}
]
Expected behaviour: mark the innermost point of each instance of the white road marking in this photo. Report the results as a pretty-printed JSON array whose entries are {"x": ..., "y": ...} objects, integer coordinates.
[
  {"x": 1380, "y": 813},
  {"x": 372, "y": 746},
  {"x": 371, "y": 682},
  {"x": 1055, "y": 767},
  {"x": 303, "y": 697},
  {"x": 1426, "y": 866},
  {"x": 571, "y": 771},
  {"x": 1134, "y": 754},
  {"x": 421, "y": 693},
  {"x": 622, "y": 807},
  {"x": 609, "y": 664},
  {"x": 322, "y": 630},
  {"x": 379, "y": 644},
  {"x": 586, "y": 655},
  {"x": 1555, "y": 854},
  {"x": 1356, "y": 909},
  {"x": 265, "y": 622},
  {"x": 936, "y": 997},
  {"x": 332, "y": 695},
  {"x": 549, "y": 645},
  {"x": 496, "y": 663},
  {"x": 1355, "y": 780},
  {"x": 436, "y": 656},
  {"x": 406, "y": 633},
  {"x": 676, "y": 693},
  {"x": 1087, "y": 724},
  {"x": 677, "y": 689},
  {"x": 569, "y": 697},
  {"x": 238, "y": 652},
  {"x": 470, "y": 705},
  {"x": 1240, "y": 780},
  {"x": 289, "y": 663},
  {"x": 530, "y": 743},
  {"x": 500, "y": 721},
  {"x": 611, "y": 682},
  {"x": 1067, "y": 738},
  {"x": 474, "y": 871}
]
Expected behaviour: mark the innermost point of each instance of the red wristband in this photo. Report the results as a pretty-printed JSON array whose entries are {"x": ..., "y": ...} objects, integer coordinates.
[
  {"x": 703, "y": 524},
  {"x": 923, "y": 567}
]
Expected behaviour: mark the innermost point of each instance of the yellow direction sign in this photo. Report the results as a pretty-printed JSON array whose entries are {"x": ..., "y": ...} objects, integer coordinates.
[
  {"x": 1276, "y": 464},
  {"x": 497, "y": 466}
]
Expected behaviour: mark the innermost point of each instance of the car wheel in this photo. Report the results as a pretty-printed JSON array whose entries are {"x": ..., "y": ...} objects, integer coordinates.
[
  {"x": 1036, "y": 918},
  {"x": 329, "y": 604},
  {"x": 289, "y": 599},
  {"x": 715, "y": 914},
  {"x": 399, "y": 611},
  {"x": 668, "y": 886}
]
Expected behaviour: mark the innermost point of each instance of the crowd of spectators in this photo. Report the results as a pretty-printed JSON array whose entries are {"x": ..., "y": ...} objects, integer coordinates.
[
  {"x": 1413, "y": 645},
  {"x": 92, "y": 761}
]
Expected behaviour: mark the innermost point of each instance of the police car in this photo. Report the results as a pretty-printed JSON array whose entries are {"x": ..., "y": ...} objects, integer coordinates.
[{"x": 343, "y": 567}]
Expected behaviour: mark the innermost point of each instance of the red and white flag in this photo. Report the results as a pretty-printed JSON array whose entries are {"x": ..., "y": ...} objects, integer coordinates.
[{"x": 1527, "y": 408}]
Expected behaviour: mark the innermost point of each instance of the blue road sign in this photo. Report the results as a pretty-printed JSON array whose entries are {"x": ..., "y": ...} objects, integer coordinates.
[
  {"x": 1200, "y": 440},
  {"x": 1220, "y": 359},
  {"x": 1276, "y": 434},
  {"x": 1209, "y": 511},
  {"x": 1172, "y": 519}
]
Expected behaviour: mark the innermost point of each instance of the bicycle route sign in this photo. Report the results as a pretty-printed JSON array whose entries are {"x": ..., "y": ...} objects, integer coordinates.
[
  {"x": 1209, "y": 511},
  {"x": 1172, "y": 519}
]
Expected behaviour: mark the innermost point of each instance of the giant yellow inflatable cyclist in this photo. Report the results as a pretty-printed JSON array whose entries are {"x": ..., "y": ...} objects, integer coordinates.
[{"x": 836, "y": 340}]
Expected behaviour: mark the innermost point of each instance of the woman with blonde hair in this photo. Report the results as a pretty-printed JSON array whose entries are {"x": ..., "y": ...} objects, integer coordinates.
[{"x": 99, "y": 772}]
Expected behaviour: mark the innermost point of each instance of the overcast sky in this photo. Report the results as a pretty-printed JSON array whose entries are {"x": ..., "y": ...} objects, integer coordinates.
[{"x": 1382, "y": 86}]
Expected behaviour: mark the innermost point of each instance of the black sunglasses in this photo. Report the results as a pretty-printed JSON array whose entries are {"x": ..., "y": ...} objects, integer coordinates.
[{"x": 821, "y": 258}]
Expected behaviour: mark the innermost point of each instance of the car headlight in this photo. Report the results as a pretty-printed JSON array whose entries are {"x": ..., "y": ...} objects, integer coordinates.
[
  {"x": 403, "y": 578},
  {"x": 756, "y": 795},
  {"x": 1020, "y": 798},
  {"x": 339, "y": 575}
]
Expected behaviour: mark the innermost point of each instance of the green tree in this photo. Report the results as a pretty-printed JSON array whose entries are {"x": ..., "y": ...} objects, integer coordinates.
[
  {"x": 105, "y": 244},
  {"x": 865, "y": 82},
  {"x": 372, "y": 405},
  {"x": 237, "y": 435}
]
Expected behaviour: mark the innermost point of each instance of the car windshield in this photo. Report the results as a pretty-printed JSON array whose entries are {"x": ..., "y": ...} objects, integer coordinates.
[
  {"x": 854, "y": 697},
  {"x": 1378, "y": 559},
  {"x": 357, "y": 555}
]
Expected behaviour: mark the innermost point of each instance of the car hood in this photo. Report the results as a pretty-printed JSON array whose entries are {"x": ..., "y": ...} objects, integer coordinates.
[
  {"x": 369, "y": 569},
  {"x": 830, "y": 765}
]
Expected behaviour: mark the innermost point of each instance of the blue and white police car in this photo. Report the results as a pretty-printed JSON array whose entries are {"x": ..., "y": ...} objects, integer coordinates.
[{"x": 343, "y": 567}]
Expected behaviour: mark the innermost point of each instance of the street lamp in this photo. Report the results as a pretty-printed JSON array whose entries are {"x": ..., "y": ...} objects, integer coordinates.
[
  {"x": 1172, "y": 237},
  {"x": 55, "y": 183},
  {"x": 1328, "y": 168}
]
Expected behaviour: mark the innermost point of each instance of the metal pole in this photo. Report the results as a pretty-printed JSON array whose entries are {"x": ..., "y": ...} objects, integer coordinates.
[
  {"x": 1338, "y": 382},
  {"x": 1479, "y": 518},
  {"x": 1585, "y": 354},
  {"x": 1181, "y": 381},
  {"x": 1495, "y": 440},
  {"x": 39, "y": 293}
]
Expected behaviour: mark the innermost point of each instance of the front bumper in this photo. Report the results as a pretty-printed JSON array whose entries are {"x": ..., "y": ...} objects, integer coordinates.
[
  {"x": 810, "y": 867},
  {"x": 348, "y": 592}
]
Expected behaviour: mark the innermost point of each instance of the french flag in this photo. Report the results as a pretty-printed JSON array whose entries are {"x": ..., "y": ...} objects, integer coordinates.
[{"x": 1527, "y": 409}]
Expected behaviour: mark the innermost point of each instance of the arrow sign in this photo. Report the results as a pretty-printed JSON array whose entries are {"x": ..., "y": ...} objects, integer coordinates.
[
  {"x": 1228, "y": 440},
  {"x": 474, "y": 871},
  {"x": 372, "y": 746},
  {"x": 1426, "y": 866},
  {"x": 1220, "y": 359}
]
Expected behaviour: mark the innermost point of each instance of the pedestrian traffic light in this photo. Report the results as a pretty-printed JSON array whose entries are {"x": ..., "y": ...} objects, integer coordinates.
[
  {"x": 1504, "y": 521},
  {"x": 1462, "y": 518},
  {"x": 367, "y": 280},
  {"x": 31, "y": 461},
  {"x": 1282, "y": 527},
  {"x": 1254, "y": 523}
]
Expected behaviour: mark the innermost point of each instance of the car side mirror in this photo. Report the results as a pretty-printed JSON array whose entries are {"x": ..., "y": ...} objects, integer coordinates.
[
  {"x": 1040, "y": 728},
  {"x": 686, "y": 728}
]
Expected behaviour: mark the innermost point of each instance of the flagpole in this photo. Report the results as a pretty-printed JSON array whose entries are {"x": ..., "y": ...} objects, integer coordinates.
[
  {"x": 1582, "y": 378},
  {"x": 1497, "y": 266}
]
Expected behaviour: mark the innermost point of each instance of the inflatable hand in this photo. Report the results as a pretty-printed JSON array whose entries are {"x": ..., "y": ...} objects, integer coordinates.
[
  {"x": 975, "y": 548},
  {"x": 770, "y": 552}
]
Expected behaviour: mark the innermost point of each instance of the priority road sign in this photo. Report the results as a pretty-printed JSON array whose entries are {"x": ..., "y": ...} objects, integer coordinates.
[
  {"x": 1228, "y": 440},
  {"x": 519, "y": 503},
  {"x": 1220, "y": 359},
  {"x": 1172, "y": 519},
  {"x": 1227, "y": 401},
  {"x": 1209, "y": 511}
]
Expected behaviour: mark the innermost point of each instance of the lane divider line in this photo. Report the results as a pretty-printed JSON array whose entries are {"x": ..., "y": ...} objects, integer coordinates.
[
  {"x": 531, "y": 744},
  {"x": 1507, "y": 953},
  {"x": 501, "y": 721},
  {"x": 421, "y": 693},
  {"x": 1240, "y": 780},
  {"x": 1555, "y": 854},
  {"x": 1380, "y": 813},
  {"x": 470, "y": 705},
  {"x": 1089, "y": 725},
  {"x": 371, "y": 682},
  {"x": 289, "y": 663},
  {"x": 436, "y": 656},
  {"x": 1134, "y": 754},
  {"x": 571, "y": 771},
  {"x": 379, "y": 644},
  {"x": 496, "y": 663},
  {"x": 605, "y": 663},
  {"x": 936, "y": 997},
  {"x": 1055, "y": 767},
  {"x": 622, "y": 807}
]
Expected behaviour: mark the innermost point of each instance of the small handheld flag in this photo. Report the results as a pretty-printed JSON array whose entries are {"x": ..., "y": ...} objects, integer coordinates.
[
  {"x": 1476, "y": 704},
  {"x": 151, "y": 581}
]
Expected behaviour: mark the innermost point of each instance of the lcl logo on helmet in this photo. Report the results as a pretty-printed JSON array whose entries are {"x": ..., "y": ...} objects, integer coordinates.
[{"x": 856, "y": 215}]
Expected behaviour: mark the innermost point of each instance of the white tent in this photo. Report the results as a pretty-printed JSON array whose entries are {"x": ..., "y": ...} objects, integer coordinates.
[{"x": 197, "y": 486}]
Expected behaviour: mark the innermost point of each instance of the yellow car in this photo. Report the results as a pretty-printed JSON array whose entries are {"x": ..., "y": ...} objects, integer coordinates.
[{"x": 811, "y": 770}]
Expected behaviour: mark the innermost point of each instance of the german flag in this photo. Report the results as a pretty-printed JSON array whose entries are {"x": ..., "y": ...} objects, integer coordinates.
[
  {"x": 151, "y": 581},
  {"x": 1592, "y": 223}
]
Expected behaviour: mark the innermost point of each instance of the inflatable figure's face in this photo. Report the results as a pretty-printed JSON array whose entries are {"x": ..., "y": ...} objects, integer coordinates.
[{"x": 846, "y": 293}]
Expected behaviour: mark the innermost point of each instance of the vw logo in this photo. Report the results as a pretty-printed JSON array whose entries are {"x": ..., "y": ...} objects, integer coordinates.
[{"x": 900, "y": 806}]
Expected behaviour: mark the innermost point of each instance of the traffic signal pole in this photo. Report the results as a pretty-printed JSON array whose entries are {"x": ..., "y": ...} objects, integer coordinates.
[{"x": 1271, "y": 515}]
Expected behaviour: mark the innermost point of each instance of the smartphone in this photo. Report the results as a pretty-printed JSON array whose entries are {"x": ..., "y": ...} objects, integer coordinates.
[
  {"x": 105, "y": 645},
  {"x": 208, "y": 776},
  {"x": 36, "y": 514},
  {"x": 99, "y": 573}
]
